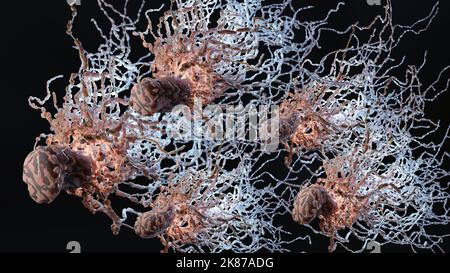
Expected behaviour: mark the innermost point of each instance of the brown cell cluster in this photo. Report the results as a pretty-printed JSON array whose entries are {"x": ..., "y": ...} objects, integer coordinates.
[
  {"x": 151, "y": 96},
  {"x": 173, "y": 216},
  {"x": 343, "y": 181},
  {"x": 337, "y": 199},
  {"x": 153, "y": 223},
  {"x": 311, "y": 202},
  {"x": 334, "y": 199},
  {"x": 49, "y": 169},
  {"x": 179, "y": 214},
  {"x": 84, "y": 134},
  {"x": 182, "y": 71},
  {"x": 209, "y": 192},
  {"x": 303, "y": 123},
  {"x": 193, "y": 61}
]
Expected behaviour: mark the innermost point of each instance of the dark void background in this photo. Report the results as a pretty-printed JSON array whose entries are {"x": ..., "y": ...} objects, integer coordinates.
[{"x": 34, "y": 48}]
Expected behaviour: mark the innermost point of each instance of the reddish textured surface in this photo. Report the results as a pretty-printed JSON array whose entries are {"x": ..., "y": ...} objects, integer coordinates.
[
  {"x": 311, "y": 202},
  {"x": 152, "y": 96}
]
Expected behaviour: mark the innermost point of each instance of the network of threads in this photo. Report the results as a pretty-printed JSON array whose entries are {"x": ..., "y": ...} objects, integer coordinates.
[{"x": 348, "y": 127}]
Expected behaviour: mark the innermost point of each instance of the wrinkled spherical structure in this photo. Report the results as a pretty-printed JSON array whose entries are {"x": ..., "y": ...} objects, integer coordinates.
[
  {"x": 39, "y": 174},
  {"x": 49, "y": 169},
  {"x": 153, "y": 223},
  {"x": 311, "y": 202},
  {"x": 352, "y": 134},
  {"x": 151, "y": 96}
]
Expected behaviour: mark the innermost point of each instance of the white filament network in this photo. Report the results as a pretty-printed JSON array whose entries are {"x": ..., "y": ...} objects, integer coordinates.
[{"x": 373, "y": 120}]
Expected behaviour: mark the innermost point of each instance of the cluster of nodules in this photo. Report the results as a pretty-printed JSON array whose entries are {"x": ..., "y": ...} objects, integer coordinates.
[
  {"x": 176, "y": 218},
  {"x": 183, "y": 69},
  {"x": 90, "y": 164},
  {"x": 87, "y": 154},
  {"x": 160, "y": 95},
  {"x": 90, "y": 159},
  {"x": 336, "y": 200}
]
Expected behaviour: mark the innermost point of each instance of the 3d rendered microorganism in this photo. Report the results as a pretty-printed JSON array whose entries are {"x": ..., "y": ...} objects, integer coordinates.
[{"x": 226, "y": 90}]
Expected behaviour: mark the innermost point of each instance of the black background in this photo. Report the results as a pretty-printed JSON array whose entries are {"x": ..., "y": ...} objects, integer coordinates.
[{"x": 34, "y": 48}]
